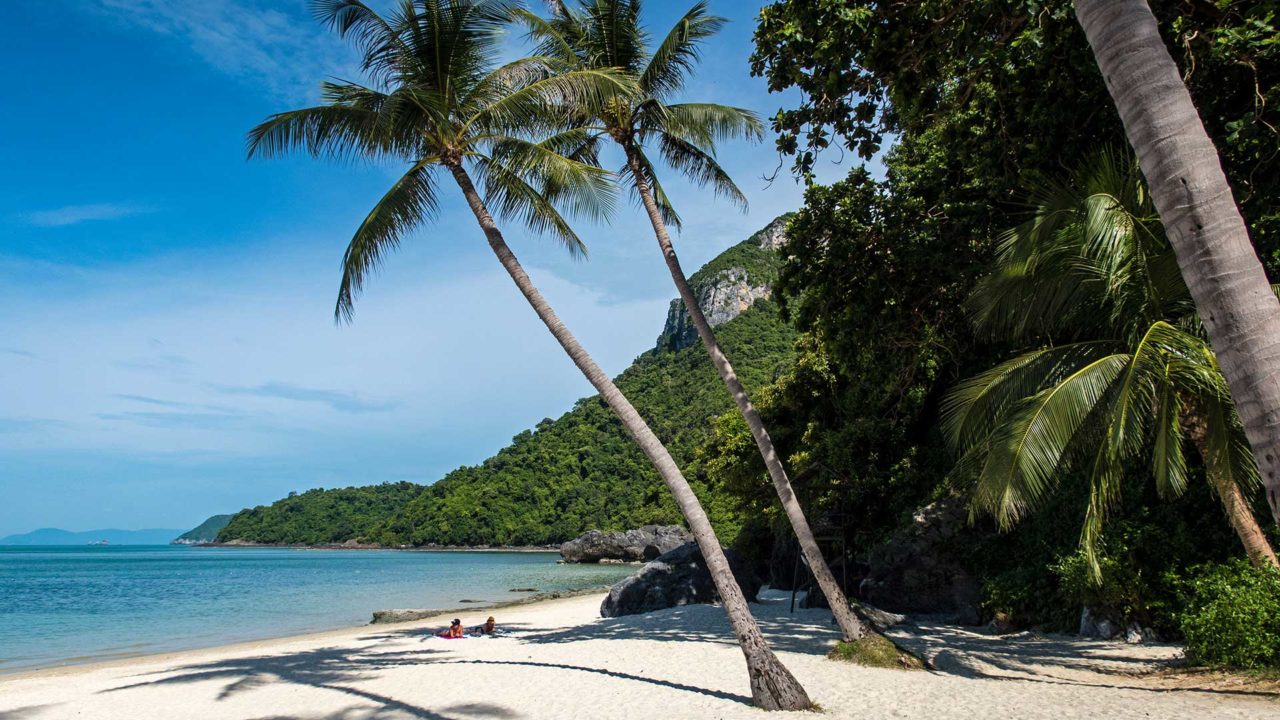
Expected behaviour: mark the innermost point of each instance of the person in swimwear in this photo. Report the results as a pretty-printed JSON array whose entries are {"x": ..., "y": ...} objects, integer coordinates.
[
  {"x": 486, "y": 629},
  {"x": 454, "y": 630}
]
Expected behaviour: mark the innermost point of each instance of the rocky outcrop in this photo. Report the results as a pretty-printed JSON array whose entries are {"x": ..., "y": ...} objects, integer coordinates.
[
  {"x": 721, "y": 301},
  {"x": 638, "y": 545},
  {"x": 773, "y": 234},
  {"x": 679, "y": 577},
  {"x": 726, "y": 290},
  {"x": 1107, "y": 626},
  {"x": 918, "y": 569}
]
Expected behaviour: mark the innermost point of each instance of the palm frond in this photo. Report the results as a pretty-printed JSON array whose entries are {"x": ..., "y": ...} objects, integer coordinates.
[
  {"x": 700, "y": 167},
  {"x": 1230, "y": 459},
  {"x": 972, "y": 409},
  {"x": 563, "y": 167},
  {"x": 1104, "y": 491},
  {"x": 511, "y": 196},
  {"x": 328, "y": 131},
  {"x": 704, "y": 124},
  {"x": 549, "y": 101},
  {"x": 372, "y": 34},
  {"x": 406, "y": 206},
  {"x": 1027, "y": 449},
  {"x": 1168, "y": 463},
  {"x": 679, "y": 51}
]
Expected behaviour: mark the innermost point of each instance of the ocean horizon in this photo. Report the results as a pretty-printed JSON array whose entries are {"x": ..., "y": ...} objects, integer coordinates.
[{"x": 65, "y": 605}]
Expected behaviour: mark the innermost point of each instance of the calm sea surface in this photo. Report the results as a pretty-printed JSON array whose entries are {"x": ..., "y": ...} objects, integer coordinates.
[{"x": 62, "y": 605}]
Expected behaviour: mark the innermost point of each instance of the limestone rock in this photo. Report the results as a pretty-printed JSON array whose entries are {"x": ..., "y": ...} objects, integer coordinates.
[
  {"x": 638, "y": 545},
  {"x": 679, "y": 577}
]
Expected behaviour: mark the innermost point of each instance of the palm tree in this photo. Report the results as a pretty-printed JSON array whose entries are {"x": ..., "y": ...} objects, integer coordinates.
[
  {"x": 438, "y": 102},
  {"x": 1200, "y": 216},
  {"x": 609, "y": 34},
  {"x": 1127, "y": 375}
]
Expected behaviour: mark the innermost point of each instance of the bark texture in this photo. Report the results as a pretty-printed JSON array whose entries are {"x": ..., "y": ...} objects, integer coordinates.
[
  {"x": 1256, "y": 546},
  {"x": 773, "y": 687},
  {"x": 850, "y": 626},
  {"x": 1199, "y": 214}
]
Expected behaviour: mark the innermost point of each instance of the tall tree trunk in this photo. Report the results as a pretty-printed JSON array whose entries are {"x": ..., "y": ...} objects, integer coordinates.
[
  {"x": 850, "y": 627},
  {"x": 773, "y": 687},
  {"x": 1256, "y": 546},
  {"x": 1199, "y": 214}
]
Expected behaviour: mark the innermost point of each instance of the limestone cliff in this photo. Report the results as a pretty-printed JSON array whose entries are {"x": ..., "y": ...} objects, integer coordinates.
[{"x": 727, "y": 285}]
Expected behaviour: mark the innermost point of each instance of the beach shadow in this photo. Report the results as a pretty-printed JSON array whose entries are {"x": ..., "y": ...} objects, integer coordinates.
[
  {"x": 325, "y": 668},
  {"x": 734, "y": 697},
  {"x": 1048, "y": 658},
  {"x": 465, "y": 711},
  {"x": 24, "y": 712},
  {"x": 808, "y": 631}
]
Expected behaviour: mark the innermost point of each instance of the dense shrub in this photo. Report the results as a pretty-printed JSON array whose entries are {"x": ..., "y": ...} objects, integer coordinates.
[{"x": 1233, "y": 617}]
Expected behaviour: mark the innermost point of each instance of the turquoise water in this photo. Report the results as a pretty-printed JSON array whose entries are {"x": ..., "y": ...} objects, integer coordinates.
[{"x": 62, "y": 605}]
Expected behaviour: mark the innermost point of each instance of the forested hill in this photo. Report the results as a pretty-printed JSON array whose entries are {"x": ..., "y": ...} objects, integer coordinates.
[{"x": 579, "y": 471}]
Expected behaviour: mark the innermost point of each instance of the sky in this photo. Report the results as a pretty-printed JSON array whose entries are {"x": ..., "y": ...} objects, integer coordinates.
[{"x": 167, "y": 344}]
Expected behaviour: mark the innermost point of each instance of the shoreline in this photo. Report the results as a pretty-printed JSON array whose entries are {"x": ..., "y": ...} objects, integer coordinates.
[
  {"x": 561, "y": 659},
  {"x": 417, "y": 548},
  {"x": 429, "y": 615},
  {"x": 117, "y": 660}
]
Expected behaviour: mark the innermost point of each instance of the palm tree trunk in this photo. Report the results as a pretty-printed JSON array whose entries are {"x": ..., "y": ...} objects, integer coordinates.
[
  {"x": 1256, "y": 545},
  {"x": 850, "y": 626},
  {"x": 773, "y": 687},
  {"x": 1199, "y": 214}
]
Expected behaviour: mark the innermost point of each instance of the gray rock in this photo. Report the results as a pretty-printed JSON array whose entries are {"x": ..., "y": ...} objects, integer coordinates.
[
  {"x": 918, "y": 569},
  {"x": 638, "y": 545},
  {"x": 879, "y": 620},
  {"x": 381, "y": 617},
  {"x": 1133, "y": 633},
  {"x": 773, "y": 234},
  {"x": 679, "y": 577},
  {"x": 1095, "y": 625}
]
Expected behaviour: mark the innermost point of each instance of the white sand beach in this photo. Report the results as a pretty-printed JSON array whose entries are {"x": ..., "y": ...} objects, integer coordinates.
[{"x": 564, "y": 661}]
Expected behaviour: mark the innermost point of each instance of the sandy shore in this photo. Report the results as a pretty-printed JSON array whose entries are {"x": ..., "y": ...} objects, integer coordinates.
[{"x": 563, "y": 661}]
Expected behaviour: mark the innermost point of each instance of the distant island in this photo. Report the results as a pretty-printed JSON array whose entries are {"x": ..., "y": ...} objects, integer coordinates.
[
  {"x": 203, "y": 533},
  {"x": 111, "y": 536}
]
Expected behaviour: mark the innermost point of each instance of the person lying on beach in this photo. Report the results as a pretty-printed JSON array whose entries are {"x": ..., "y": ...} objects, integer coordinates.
[
  {"x": 488, "y": 628},
  {"x": 454, "y": 630}
]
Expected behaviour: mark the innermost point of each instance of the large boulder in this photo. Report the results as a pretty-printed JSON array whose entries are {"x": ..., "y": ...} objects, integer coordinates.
[
  {"x": 638, "y": 545},
  {"x": 918, "y": 569},
  {"x": 679, "y": 577}
]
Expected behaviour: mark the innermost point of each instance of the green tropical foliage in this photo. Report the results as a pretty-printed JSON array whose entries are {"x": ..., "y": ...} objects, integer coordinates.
[
  {"x": 567, "y": 475},
  {"x": 1126, "y": 368},
  {"x": 319, "y": 516},
  {"x": 1233, "y": 617},
  {"x": 205, "y": 531}
]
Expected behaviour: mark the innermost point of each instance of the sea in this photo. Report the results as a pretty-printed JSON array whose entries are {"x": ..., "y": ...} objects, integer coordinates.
[{"x": 62, "y": 605}]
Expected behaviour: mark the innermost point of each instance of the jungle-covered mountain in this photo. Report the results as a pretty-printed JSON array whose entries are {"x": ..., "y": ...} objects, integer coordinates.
[{"x": 579, "y": 471}]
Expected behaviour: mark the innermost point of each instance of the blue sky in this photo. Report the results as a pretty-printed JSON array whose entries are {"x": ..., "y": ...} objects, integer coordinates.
[{"x": 167, "y": 349}]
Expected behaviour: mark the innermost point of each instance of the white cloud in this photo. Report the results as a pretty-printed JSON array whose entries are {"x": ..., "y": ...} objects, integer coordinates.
[
  {"x": 288, "y": 54},
  {"x": 76, "y": 214}
]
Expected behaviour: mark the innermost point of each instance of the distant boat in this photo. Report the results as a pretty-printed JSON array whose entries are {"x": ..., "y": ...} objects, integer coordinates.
[{"x": 100, "y": 542}]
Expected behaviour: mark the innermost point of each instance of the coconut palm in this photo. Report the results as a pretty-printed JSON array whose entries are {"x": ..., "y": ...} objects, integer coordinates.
[
  {"x": 609, "y": 34},
  {"x": 1127, "y": 374},
  {"x": 438, "y": 103},
  {"x": 1200, "y": 216}
]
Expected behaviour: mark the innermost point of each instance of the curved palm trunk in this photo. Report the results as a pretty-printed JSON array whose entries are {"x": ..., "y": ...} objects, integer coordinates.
[
  {"x": 850, "y": 627},
  {"x": 773, "y": 687},
  {"x": 1200, "y": 216},
  {"x": 1256, "y": 546}
]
